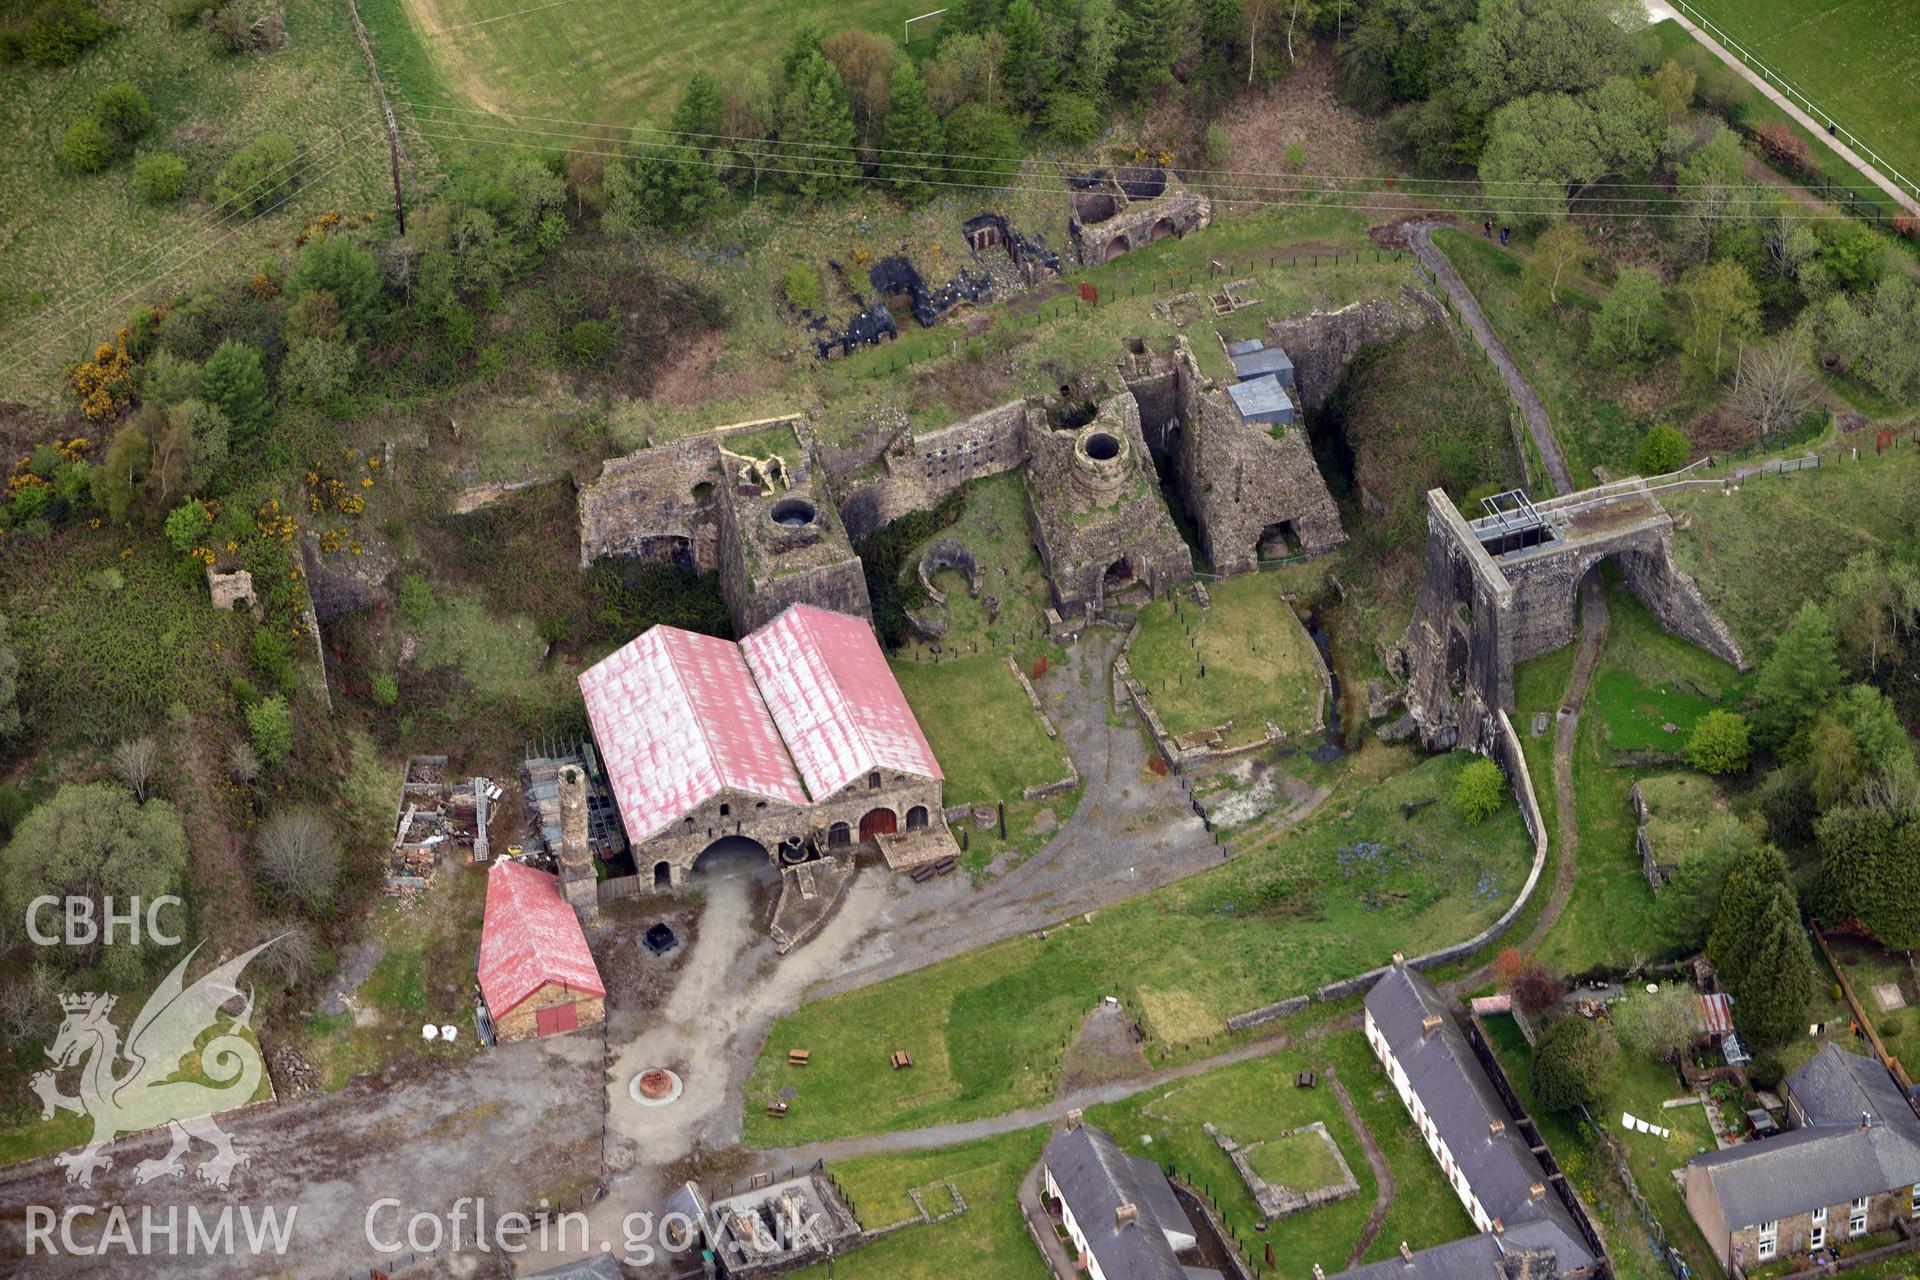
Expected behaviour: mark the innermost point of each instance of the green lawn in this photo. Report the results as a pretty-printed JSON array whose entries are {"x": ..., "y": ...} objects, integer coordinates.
[
  {"x": 1663, "y": 678},
  {"x": 989, "y": 741},
  {"x": 596, "y": 63},
  {"x": 993, "y": 526},
  {"x": 989, "y": 1240},
  {"x": 1679, "y": 808},
  {"x": 1245, "y": 658},
  {"x": 1637, "y": 1085},
  {"x": 68, "y": 236},
  {"x": 1859, "y": 59},
  {"x": 987, "y": 1029},
  {"x": 1762, "y": 551},
  {"x": 1302, "y": 1161},
  {"x": 1252, "y": 1101}
]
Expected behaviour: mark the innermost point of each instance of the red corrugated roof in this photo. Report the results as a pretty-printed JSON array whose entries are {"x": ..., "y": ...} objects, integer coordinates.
[
  {"x": 1715, "y": 1014},
  {"x": 835, "y": 700},
  {"x": 678, "y": 719},
  {"x": 531, "y": 938}
]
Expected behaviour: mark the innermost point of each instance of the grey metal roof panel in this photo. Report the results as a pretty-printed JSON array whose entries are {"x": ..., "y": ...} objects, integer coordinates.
[
  {"x": 1246, "y": 346},
  {"x": 1095, "y": 1178},
  {"x": 1834, "y": 1087},
  {"x": 1776, "y": 1178},
  {"x": 1253, "y": 364},
  {"x": 1262, "y": 400}
]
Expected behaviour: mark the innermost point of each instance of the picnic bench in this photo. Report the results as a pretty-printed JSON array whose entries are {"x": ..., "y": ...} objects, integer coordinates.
[
  {"x": 902, "y": 1059},
  {"x": 1305, "y": 1080},
  {"x": 798, "y": 1057},
  {"x": 777, "y": 1109}
]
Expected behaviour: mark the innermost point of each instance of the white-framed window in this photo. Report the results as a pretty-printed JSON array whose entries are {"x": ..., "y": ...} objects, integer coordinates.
[
  {"x": 1914, "y": 1207},
  {"x": 1857, "y": 1224},
  {"x": 1765, "y": 1251},
  {"x": 1860, "y": 1205},
  {"x": 1820, "y": 1216},
  {"x": 1817, "y": 1238}
]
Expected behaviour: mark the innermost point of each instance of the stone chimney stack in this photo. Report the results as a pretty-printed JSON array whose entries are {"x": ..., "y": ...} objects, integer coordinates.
[
  {"x": 1406, "y": 1254},
  {"x": 1318, "y": 1274},
  {"x": 1123, "y": 1214},
  {"x": 576, "y": 855},
  {"x": 1429, "y": 1024},
  {"x": 1074, "y": 1117},
  {"x": 1495, "y": 1129}
]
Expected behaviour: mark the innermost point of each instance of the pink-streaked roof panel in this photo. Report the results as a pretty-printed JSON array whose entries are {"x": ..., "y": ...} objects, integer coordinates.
[
  {"x": 530, "y": 938},
  {"x": 835, "y": 699},
  {"x": 678, "y": 719}
]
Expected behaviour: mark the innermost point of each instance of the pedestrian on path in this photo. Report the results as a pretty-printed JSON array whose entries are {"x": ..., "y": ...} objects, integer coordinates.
[
  {"x": 1504, "y": 233},
  {"x": 1489, "y": 228}
]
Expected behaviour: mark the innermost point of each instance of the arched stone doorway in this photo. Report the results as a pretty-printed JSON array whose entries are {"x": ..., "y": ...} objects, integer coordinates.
[
  {"x": 663, "y": 874},
  {"x": 1118, "y": 575},
  {"x": 729, "y": 852},
  {"x": 1115, "y": 247},
  {"x": 839, "y": 836},
  {"x": 878, "y": 822},
  {"x": 1161, "y": 230},
  {"x": 917, "y": 818}
]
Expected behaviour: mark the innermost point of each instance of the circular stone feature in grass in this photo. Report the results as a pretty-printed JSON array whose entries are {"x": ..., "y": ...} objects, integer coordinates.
[{"x": 655, "y": 1087}]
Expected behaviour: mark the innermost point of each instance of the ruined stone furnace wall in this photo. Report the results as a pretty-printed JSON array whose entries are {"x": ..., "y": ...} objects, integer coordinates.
[
  {"x": 1478, "y": 615},
  {"x": 651, "y": 505}
]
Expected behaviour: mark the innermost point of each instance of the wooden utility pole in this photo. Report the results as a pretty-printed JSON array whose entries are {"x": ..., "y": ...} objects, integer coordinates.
[{"x": 386, "y": 108}]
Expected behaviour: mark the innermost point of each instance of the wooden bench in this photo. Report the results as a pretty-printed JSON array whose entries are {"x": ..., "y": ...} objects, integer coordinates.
[
  {"x": 1305, "y": 1080},
  {"x": 777, "y": 1110},
  {"x": 798, "y": 1057},
  {"x": 902, "y": 1059}
]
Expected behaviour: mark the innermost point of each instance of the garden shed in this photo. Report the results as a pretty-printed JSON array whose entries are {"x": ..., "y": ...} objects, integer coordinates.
[{"x": 537, "y": 974}]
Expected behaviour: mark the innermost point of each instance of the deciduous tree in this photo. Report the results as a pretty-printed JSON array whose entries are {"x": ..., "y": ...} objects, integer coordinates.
[
  {"x": 1631, "y": 326},
  {"x": 1772, "y": 389},
  {"x": 1723, "y": 311},
  {"x": 1718, "y": 743},
  {"x": 1560, "y": 249},
  {"x": 1658, "y": 1024},
  {"x": 1571, "y": 1062}
]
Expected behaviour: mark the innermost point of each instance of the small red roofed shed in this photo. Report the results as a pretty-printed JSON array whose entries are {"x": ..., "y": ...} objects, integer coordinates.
[{"x": 537, "y": 975}]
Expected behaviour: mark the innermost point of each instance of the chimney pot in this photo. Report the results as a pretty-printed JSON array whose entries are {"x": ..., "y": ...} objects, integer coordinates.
[
  {"x": 1124, "y": 1214},
  {"x": 1537, "y": 1190},
  {"x": 1399, "y": 959},
  {"x": 1074, "y": 1117},
  {"x": 1863, "y": 1119},
  {"x": 1430, "y": 1024},
  {"x": 1405, "y": 1252},
  {"x": 1318, "y": 1274},
  {"x": 1495, "y": 1129},
  {"x": 1498, "y": 1226}
]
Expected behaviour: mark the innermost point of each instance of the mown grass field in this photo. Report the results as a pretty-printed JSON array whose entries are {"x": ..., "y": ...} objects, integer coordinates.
[
  {"x": 989, "y": 741},
  {"x": 1252, "y": 1102},
  {"x": 1646, "y": 677},
  {"x": 622, "y": 62},
  {"x": 1859, "y": 59},
  {"x": 1761, "y": 551},
  {"x": 987, "y": 1029},
  {"x": 67, "y": 237},
  {"x": 1246, "y": 657},
  {"x": 988, "y": 1240}
]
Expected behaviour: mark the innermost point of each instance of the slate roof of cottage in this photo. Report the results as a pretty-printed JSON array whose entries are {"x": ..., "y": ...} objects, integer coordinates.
[
  {"x": 1462, "y": 1103},
  {"x": 1475, "y": 1257},
  {"x": 1095, "y": 1178},
  {"x": 1835, "y": 1086},
  {"x": 835, "y": 700},
  {"x": 530, "y": 938},
  {"x": 1776, "y": 1178}
]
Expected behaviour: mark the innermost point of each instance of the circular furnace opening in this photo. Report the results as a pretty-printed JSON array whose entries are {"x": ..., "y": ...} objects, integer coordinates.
[
  {"x": 1101, "y": 446},
  {"x": 793, "y": 513}
]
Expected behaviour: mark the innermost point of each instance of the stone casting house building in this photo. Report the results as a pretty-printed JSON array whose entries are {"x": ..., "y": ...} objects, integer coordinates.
[
  {"x": 1488, "y": 1160},
  {"x": 537, "y": 975},
  {"x": 1119, "y": 1210},
  {"x": 794, "y": 740},
  {"x": 1118, "y": 212},
  {"x": 1848, "y": 1168}
]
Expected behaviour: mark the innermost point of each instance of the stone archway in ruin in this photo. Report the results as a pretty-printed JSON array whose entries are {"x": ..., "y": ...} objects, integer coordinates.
[{"x": 1499, "y": 591}]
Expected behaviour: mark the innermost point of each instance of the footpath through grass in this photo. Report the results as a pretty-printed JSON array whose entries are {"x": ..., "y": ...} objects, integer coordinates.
[
  {"x": 1646, "y": 679},
  {"x": 1245, "y": 658},
  {"x": 1857, "y": 58},
  {"x": 987, "y": 1029}
]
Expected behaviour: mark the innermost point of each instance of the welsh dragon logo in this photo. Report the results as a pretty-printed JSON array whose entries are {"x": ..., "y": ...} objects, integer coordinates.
[{"x": 145, "y": 1095}]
